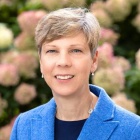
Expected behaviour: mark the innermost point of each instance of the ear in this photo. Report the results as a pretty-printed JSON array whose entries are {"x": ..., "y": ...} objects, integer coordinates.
[{"x": 94, "y": 62}]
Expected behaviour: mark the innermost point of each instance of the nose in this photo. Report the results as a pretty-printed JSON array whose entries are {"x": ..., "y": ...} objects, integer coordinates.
[{"x": 64, "y": 60}]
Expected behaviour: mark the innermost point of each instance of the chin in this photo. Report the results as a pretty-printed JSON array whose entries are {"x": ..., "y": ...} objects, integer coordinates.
[{"x": 63, "y": 93}]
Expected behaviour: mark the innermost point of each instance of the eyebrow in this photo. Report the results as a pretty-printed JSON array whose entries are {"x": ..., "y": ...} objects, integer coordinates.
[
  {"x": 50, "y": 45},
  {"x": 70, "y": 45}
]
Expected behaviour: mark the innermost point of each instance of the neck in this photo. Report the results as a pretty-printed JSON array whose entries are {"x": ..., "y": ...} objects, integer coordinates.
[{"x": 77, "y": 108}]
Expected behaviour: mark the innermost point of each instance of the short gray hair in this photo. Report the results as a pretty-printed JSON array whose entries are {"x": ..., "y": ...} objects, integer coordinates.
[{"x": 67, "y": 22}]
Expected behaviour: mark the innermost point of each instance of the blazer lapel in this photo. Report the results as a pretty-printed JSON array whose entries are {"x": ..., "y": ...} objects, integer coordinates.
[
  {"x": 97, "y": 129},
  {"x": 43, "y": 125},
  {"x": 100, "y": 124}
]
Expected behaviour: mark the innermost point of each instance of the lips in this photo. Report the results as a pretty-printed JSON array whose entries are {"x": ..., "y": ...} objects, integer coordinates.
[{"x": 64, "y": 77}]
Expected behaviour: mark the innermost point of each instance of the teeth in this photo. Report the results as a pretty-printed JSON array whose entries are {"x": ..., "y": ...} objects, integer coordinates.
[{"x": 64, "y": 77}]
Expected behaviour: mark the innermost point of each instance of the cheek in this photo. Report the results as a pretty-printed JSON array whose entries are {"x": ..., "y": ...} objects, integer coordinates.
[
  {"x": 46, "y": 69},
  {"x": 46, "y": 66},
  {"x": 84, "y": 66}
]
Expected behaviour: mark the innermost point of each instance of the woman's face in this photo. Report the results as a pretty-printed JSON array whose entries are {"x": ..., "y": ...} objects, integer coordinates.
[{"x": 66, "y": 64}]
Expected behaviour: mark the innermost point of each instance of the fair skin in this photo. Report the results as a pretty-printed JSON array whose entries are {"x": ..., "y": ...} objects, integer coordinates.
[{"x": 66, "y": 64}]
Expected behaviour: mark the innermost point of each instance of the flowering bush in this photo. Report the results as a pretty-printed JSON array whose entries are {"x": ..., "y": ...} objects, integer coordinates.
[
  {"x": 25, "y": 93},
  {"x": 136, "y": 22},
  {"x": 138, "y": 59},
  {"x": 33, "y": 3},
  {"x": 6, "y": 2},
  {"x": 132, "y": 87},
  {"x": 108, "y": 35},
  {"x": 122, "y": 62},
  {"x": 6, "y": 37},
  {"x": 97, "y": 5},
  {"x": 3, "y": 105},
  {"x": 26, "y": 68},
  {"x": 8, "y": 72},
  {"x": 138, "y": 8},
  {"x": 5, "y": 131},
  {"x": 21, "y": 86},
  {"x": 28, "y": 20},
  {"x": 98, "y": 9},
  {"x": 111, "y": 79},
  {"x": 53, "y": 4},
  {"x": 105, "y": 55},
  {"x": 122, "y": 100},
  {"x": 103, "y": 17},
  {"x": 116, "y": 9},
  {"x": 24, "y": 42},
  {"x": 133, "y": 2}
]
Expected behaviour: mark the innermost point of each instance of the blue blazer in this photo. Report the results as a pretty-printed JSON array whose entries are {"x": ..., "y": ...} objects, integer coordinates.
[{"x": 107, "y": 122}]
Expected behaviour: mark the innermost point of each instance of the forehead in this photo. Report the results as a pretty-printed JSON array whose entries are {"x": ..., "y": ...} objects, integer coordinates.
[{"x": 79, "y": 39}]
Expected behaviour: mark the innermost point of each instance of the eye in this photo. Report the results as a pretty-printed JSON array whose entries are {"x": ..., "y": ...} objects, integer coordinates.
[
  {"x": 51, "y": 51},
  {"x": 76, "y": 51}
]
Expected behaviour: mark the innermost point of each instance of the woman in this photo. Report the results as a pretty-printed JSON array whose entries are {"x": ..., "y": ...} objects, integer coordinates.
[{"x": 67, "y": 40}]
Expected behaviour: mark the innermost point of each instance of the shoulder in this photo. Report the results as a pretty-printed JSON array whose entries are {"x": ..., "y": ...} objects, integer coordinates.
[
  {"x": 123, "y": 114},
  {"x": 129, "y": 123},
  {"x": 25, "y": 121},
  {"x": 33, "y": 112},
  {"x": 39, "y": 111},
  {"x": 22, "y": 124}
]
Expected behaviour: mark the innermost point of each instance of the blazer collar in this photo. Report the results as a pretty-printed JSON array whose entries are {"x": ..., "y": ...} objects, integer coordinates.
[
  {"x": 98, "y": 126},
  {"x": 104, "y": 107},
  {"x": 43, "y": 124}
]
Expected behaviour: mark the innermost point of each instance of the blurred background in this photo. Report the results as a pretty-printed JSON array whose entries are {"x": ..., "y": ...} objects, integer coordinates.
[{"x": 21, "y": 85}]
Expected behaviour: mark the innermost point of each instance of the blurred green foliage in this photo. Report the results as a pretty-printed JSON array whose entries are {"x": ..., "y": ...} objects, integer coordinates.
[{"x": 132, "y": 86}]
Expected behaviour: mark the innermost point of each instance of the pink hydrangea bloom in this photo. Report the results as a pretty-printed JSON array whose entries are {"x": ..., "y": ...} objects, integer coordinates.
[
  {"x": 111, "y": 79},
  {"x": 108, "y": 35},
  {"x": 53, "y": 4},
  {"x": 97, "y": 5},
  {"x": 105, "y": 55},
  {"x": 25, "y": 93},
  {"x": 6, "y": 2},
  {"x": 29, "y": 19},
  {"x": 8, "y": 72},
  {"x": 27, "y": 63},
  {"x": 24, "y": 42},
  {"x": 136, "y": 22},
  {"x": 79, "y": 3},
  {"x": 122, "y": 62},
  {"x": 12, "y": 121},
  {"x": 5, "y": 132},
  {"x": 6, "y": 36},
  {"x": 100, "y": 12},
  {"x": 122, "y": 100},
  {"x": 8, "y": 56},
  {"x": 138, "y": 7},
  {"x": 103, "y": 17},
  {"x": 118, "y": 9}
]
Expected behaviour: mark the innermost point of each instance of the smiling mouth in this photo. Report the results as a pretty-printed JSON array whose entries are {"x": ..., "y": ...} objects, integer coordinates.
[{"x": 64, "y": 77}]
